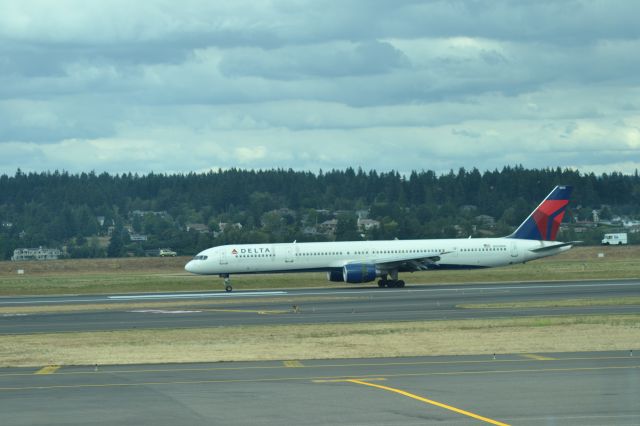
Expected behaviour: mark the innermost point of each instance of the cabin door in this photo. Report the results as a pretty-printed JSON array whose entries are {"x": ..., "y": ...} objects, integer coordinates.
[
  {"x": 514, "y": 249},
  {"x": 290, "y": 255}
]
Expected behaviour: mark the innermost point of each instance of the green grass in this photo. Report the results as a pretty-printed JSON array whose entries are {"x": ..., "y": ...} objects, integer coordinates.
[
  {"x": 79, "y": 283},
  {"x": 158, "y": 275},
  {"x": 88, "y": 284}
]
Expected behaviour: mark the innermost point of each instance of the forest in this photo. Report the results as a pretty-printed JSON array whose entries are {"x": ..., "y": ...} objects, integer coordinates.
[{"x": 100, "y": 215}]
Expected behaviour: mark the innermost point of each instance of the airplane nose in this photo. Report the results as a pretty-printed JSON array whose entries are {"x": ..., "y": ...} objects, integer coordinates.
[{"x": 189, "y": 266}]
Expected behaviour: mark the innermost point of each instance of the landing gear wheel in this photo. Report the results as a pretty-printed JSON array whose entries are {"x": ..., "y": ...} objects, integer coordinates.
[
  {"x": 400, "y": 283},
  {"x": 227, "y": 283}
]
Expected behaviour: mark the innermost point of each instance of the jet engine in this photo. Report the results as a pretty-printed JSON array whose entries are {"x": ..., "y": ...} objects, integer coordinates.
[{"x": 359, "y": 272}]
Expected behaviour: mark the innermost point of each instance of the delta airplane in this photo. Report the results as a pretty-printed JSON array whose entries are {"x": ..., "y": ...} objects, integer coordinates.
[{"x": 365, "y": 261}]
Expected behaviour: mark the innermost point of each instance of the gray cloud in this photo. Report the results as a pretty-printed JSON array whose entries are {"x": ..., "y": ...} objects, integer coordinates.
[
  {"x": 163, "y": 86},
  {"x": 323, "y": 61}
]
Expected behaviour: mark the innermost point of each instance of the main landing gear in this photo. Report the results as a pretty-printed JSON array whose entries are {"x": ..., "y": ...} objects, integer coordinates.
[
  {"x": 393, "y": 282},
  {"x": 227, "y": 283},
  {"x": 390, "y": 283}
]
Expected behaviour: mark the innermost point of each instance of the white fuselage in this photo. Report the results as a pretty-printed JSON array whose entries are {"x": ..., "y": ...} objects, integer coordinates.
[{"x": 290, "y": 257}]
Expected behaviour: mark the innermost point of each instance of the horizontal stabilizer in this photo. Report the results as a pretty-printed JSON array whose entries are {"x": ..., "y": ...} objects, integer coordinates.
[{"x": 555, "y": 246}]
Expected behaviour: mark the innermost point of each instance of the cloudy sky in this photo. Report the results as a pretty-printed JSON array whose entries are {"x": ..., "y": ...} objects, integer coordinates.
[{"x": 194, "y": 85}]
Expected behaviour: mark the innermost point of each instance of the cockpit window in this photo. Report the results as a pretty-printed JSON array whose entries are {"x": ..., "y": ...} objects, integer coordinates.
[{"x": 200, "y": 257}]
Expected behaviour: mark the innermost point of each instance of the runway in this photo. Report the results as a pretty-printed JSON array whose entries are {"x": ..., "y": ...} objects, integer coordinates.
[
  {"x": 308, "y": 306},
  {"x": 523, "y": 389}
]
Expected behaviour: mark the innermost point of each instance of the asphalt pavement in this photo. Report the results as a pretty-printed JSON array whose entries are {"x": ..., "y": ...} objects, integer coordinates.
[
  {"x": 594, "y": 388},
  {"x": 307, "y": 306}
]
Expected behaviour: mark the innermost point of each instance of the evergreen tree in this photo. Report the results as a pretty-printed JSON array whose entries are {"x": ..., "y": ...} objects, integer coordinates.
[
  {"x": 116, "y": 244},
  {"x": 347, "y": 228},
  {"x": 57, "y": 208}
]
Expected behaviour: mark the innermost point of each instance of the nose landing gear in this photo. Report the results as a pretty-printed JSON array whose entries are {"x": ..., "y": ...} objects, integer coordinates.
[{"x": 227, "y": 283}]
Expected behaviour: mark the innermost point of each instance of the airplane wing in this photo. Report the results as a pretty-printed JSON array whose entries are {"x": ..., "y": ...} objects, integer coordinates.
[{"x": 405, "y": 262}]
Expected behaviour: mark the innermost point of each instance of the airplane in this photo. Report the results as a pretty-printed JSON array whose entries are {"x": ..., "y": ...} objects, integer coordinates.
[{"x": 366, "y": 261}]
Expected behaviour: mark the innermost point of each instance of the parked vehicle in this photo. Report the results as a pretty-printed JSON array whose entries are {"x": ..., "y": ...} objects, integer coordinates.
[
  {"x": 615, "y": 239},
  {"x": 167, "y": 253}
]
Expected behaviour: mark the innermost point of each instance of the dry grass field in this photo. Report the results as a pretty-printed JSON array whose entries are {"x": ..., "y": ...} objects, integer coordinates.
[{"x": 325, "y": 341}]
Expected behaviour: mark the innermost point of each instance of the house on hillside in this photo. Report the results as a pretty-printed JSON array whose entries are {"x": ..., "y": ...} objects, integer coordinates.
[
  {"x": 223, "y": 226},
  {"x": 40, "y": 253},
  {"x": 200, "y": 228},
  {"x": 362, "y": 214},
  {"x": 142, "y": 213},
  {"x": 486, "y": 221},
  {"x": 328, "y": 227},
  {"x": 310, "y": 230},
  {"x": 367, "y": 224}
]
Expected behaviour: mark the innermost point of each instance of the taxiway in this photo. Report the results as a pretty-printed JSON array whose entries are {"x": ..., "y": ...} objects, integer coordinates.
[{"x": 524, "y": 389}]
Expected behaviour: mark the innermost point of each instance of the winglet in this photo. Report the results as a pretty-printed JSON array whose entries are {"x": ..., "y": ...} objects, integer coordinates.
[{"x": 544, "y": 222}]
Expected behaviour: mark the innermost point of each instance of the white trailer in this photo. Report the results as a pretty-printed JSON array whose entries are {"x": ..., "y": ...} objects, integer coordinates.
[{"x": 615, "y": 239}]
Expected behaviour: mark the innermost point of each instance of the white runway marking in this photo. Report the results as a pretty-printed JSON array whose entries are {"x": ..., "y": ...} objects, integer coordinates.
[
  {"x": 28, "y": 302},
  {"x": 196, "y": 295},
  {"x": 160, "y": 311}
]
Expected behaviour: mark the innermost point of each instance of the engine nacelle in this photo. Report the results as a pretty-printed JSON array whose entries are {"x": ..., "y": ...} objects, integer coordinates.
[
  {"x": 359, "y": 272},
  {"x": 335, "y": 276}
]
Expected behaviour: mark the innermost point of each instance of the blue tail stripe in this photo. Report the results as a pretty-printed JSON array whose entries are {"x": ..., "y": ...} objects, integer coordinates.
[
  {"x": 550, "y": 222},
  {"x": 528, "y": 230},
  {"x": 560, "y": 193}
]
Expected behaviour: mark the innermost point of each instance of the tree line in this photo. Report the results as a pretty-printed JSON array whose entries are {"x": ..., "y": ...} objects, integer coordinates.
[{"x": 59, "y": 209}]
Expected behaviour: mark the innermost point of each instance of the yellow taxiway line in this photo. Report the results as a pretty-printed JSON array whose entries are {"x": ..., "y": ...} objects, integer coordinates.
[
  {"x": 49, "y": 369},
  {"x": 524, "y": 358},
  {"x": 538, "y": 357},
  {"x": 368, "y": 379},
  {"x": 312, "y": 379},
  {"x": 430, "y": 401}
]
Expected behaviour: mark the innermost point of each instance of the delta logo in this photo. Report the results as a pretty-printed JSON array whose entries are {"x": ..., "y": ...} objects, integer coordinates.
[
  {"x": 251, "y": 250},
  {"x": 548, "y": 218}
]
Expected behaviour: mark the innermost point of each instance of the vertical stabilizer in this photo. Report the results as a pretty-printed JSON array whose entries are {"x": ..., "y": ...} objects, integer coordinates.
[{"x": 544, "y": 222}]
